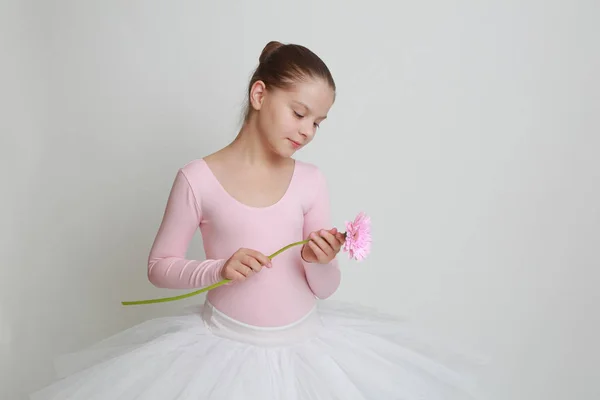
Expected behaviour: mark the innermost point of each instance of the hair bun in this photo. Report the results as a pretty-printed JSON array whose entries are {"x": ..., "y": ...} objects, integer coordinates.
[{"x": 268, "y": 50}]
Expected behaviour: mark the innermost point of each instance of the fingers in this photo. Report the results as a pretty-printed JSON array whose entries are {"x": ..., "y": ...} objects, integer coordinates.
[
  {"x": 332, "y": 239},
  {"x": 240, "y": 271},
  {"x": 235, "y": 276},
  {"x": 252, "y": 263},
  {"x": 247, "y": 266},
  {"x": 321, "y": 247},
  {"x": 232, "y": 273},
  {"x": 327, "y": 242},
  {"x": 245, "y": 263},
  {"x": 338, "y": 235},
  {"x": 319, "y": 253},
  {"x": 260, "y": 257}
]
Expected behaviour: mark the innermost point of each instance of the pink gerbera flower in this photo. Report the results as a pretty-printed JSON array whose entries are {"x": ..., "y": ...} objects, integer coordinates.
[{"x": 358, "y": 237}]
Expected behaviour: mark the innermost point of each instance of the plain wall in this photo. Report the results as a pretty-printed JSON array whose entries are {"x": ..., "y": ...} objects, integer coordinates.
[{"x": 468, "y": 131}]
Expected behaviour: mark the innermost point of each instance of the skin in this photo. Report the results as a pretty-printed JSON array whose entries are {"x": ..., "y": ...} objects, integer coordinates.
[{"x": 281, "y": 122}]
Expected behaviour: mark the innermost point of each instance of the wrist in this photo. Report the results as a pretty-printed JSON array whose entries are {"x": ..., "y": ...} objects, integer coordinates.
[{"x": 220, "y": 269}]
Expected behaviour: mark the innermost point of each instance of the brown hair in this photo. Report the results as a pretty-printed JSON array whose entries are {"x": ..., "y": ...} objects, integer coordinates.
[{"x": 282, "y": 65}]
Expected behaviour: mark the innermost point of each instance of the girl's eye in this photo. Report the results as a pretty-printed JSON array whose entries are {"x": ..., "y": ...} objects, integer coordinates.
[{"x": 298, "y": 115}]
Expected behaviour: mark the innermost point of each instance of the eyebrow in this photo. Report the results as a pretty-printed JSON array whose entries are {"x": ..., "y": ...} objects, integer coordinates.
[{"x": 307, "y": 107}]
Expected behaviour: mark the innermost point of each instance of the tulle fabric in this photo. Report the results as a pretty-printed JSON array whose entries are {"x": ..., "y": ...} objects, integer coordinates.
[{"x": 338, "y": 351}]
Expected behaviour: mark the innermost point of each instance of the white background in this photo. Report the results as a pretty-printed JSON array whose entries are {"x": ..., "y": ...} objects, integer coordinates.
[{"x": 469, "y": 131}]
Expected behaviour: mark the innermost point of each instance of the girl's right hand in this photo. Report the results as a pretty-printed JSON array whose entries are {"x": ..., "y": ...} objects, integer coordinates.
[{"x": 243, "y": 264}]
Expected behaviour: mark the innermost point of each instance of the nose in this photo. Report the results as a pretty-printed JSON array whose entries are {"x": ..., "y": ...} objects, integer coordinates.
[{"x": 306, "y": 130}]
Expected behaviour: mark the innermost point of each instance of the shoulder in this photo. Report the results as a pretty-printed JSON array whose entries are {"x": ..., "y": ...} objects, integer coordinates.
[
  {"x": 313, "y": 187},
  {"x": 194, "y": 179},
  {"x": 309, "y": 173},
  {"x": 194, "y": 170},
  {"x": 192, "y": 176}
]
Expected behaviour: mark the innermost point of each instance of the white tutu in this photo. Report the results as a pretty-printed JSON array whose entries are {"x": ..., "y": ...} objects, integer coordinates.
[{"x": 338, "y": 351}]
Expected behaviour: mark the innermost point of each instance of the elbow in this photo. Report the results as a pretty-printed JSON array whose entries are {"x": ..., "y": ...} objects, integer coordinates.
[
  {"x": 328, "y": 291},
  {"x": 325, "y": 286},
  {"x": 154, "y": 281},
  {"x": 154, "y": 275}
]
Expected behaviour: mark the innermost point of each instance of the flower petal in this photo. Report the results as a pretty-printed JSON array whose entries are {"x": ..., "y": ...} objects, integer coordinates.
[{"x": 358, "y": 237}]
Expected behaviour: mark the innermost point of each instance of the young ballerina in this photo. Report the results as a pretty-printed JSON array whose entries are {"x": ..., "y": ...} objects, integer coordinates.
[{"x": 265, "y": 335}]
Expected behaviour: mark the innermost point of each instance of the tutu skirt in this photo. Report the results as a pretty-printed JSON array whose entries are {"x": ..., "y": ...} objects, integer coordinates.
[{"x": 338, "y": 351}]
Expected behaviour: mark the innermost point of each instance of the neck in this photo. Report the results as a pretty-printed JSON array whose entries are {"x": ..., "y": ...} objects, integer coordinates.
[{"x": 250, "y": 149}]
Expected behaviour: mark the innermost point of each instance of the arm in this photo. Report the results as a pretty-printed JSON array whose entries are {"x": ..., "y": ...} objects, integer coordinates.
[
  {"x": 323, "y": 279},
  {"x": 167, "y": 265}
]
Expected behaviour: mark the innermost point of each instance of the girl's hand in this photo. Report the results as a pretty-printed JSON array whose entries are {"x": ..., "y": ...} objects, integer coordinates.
[
  {"x": 243, "y": 264},
  {"x": 323, "y": 246}
]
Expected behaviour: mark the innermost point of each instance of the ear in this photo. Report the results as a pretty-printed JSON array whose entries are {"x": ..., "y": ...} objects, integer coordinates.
[{"x": 257, "y": 94}]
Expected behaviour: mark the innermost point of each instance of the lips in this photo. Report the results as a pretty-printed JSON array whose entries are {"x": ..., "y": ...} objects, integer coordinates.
[{"x": 295, "y": 144}]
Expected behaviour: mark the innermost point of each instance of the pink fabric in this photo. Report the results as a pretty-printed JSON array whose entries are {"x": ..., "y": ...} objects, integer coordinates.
[{"x": 276, "y": 296}]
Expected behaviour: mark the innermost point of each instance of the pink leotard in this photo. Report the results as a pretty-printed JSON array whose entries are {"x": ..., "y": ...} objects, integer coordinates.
[{"x": 275, "y": 296}]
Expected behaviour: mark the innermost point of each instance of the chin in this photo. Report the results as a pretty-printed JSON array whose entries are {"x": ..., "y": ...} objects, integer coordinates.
[{"x": 285, "y": 151}]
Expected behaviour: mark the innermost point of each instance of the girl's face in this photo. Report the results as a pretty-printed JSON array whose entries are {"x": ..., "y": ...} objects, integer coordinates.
[{"x": 288, "y": 119}]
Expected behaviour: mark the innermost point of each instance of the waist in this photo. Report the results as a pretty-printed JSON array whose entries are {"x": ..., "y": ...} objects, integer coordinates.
[
  {"x": 225, "y": 326},
  {"x": 264, "y": 303}
]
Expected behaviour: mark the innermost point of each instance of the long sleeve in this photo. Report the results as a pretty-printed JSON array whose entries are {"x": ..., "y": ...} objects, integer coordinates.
[
  {"x": 323, "y": 279},
  {"x": 167, "y": 265}
]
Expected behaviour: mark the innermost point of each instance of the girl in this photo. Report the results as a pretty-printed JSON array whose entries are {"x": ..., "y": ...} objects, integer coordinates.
[{"x": 264, "y": 335}]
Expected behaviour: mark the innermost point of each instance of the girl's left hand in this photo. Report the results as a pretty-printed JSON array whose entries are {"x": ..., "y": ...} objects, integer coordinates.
[{"x": 323, "y": 246}]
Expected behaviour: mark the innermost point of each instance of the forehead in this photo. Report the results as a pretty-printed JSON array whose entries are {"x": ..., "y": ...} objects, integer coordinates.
[{"x": 314, "y": 94}]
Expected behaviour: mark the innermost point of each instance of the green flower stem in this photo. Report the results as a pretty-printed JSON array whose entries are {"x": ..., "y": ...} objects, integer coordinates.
[
  {"x": 206, "y": 289},
  {"x": 288, "y": 247}
]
